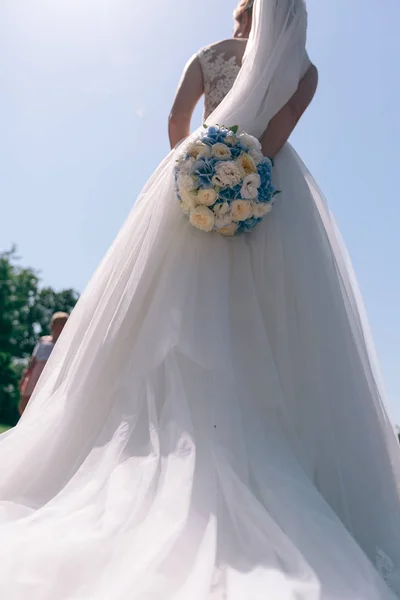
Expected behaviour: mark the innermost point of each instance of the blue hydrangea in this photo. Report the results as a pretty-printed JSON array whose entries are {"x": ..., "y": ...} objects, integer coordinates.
[
  {"x": 242, "y": 147},
  {"x": 264, "y": 170},
  {"x": 176, "y": 174},
  {"x": 249, "y": 224},
  {"x": 267, "y": 189},
  {"x": 236, "y": 151},
  {"x": 214, "y": 135},
  {"x": 231, "y": 193},
  {"x": 204, "y": 170}
]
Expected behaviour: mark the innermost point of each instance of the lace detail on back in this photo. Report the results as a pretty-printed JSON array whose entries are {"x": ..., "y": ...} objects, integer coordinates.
[{"x": 219, "y": 74}]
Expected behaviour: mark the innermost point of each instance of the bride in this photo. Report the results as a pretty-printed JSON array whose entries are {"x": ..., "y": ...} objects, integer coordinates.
[{"x": 211, "y": 423}]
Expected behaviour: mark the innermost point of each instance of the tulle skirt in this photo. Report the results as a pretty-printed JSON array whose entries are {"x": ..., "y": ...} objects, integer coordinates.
[{"x": 210, "y": 424}]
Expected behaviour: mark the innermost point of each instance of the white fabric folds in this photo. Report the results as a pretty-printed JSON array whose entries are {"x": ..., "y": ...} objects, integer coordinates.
[{"x": 210, "y": 425}]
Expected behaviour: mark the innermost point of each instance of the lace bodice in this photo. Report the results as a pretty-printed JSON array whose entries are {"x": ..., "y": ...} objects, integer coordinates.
[
  {"x": 219, "y": 73},
  {"x": 220, "y": 70}
]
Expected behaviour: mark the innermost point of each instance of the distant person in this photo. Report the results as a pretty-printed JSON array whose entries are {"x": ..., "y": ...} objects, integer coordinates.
[{"x": 39, "y": 357}]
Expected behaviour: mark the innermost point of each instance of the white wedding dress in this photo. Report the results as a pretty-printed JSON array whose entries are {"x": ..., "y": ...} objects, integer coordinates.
[{"x": 210, "y": 425}]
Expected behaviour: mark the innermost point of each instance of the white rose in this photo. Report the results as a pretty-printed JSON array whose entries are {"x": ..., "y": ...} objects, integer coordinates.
[
  {"x": 229, "y": 230},
  {"x": 241, "y": 210},
  {"x": 260, "y": 209},
  {"x": 221, "y": 209},
  {"x": 223, "y": 221},
  {"x": 231, "y": 140},
  {"x": 221, "y": 151},
  {"x": 187, "y": 166},
  {"x": 227, "y": 174},
  {"x": 250, "y": 141},
  {"x": 188, "y": 202},
  {"x": 256, "y": 155},
  {"x": 199, "y": 150},
  {"x": 202, "y": 218},
  {"x": 207, "y": 197},
  {"x": 250, "y": 186},
  {"x": 185, "y": 182}
]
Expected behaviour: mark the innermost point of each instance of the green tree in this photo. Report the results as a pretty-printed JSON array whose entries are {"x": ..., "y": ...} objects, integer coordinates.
[{"x": 25, "y": 313}]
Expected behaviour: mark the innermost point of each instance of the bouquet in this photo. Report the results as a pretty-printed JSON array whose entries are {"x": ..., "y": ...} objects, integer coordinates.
[{"x": 223, "y": 181}]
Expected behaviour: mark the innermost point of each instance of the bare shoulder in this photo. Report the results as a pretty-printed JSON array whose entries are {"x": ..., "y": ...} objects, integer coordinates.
[
  {"x": 311, "y": 77},
  {"x": 230, "y": 46},
  {"x": 313, "y": 69},
  {"x": 309, "y": 69}
]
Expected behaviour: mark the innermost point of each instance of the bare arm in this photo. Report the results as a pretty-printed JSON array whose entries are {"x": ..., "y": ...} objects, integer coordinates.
[
  {"x": 28, "y": 370},
  {"x": 24, "y": 399},
  {"x": 31, "y": 384},
  {"x": 190, "y": 90},
  {"x": 282, "y": 125}
]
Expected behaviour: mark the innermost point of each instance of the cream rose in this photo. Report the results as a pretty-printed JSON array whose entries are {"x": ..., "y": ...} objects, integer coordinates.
[
  {"x": 250, "y": 186},
  {"x": 246, "y": 164},
  {"x": 241, "y": 210},
  {"x": 250, "y": 141},
  {"x": 199, "y": 150},
  {"x": 188, "y": 202},
  {"x": 221, "y": 151},
  {"x": 260, "y": 209},
  {"x": 223, "y": 221},
  {"x": 207, "y": 197},
  {"x": 202, "y": 218},
  {"x": 229, "y": 230}
]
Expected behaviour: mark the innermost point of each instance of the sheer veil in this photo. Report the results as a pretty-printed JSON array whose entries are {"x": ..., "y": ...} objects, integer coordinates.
[
  {"x": 273, "y": 63},
  {"x": 118, "y": 376}
]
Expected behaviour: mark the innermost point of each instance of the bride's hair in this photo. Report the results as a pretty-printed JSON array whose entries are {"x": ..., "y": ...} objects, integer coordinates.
[{"x": 243, "y": 6}]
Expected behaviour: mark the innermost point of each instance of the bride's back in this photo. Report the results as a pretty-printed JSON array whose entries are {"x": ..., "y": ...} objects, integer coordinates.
[
  {"x": 220, "y": 64},
  {"x": 210, "y": 72}
]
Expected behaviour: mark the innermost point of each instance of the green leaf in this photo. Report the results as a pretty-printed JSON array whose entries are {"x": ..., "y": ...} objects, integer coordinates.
[
  {"x": 235, "y": 129},
  {"x": 205, "y": 125}
]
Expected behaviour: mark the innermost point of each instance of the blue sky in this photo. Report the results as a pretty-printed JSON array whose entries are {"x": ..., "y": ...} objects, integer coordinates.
[{"x": 86, "y": 87}]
